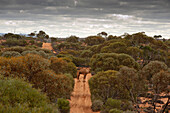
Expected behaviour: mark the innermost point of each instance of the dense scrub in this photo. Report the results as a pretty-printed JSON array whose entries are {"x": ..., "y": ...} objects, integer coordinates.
[
  {"x": 111, "y": 61},
  {"x": 60, "y": 65},
  {"x": 22, "y": 51},
  {"x": 127, "y": 85},
  {"x": 126, "y": 68},
  {"x": 19, "y": 96},
  {"x": 38, "y": 71}
]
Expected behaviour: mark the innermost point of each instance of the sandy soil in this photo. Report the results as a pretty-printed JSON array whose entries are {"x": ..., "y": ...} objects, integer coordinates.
[
  {"x": 80, "y": 100},
  {"x": 47, "y": 46},
  {"x": 158, "y": 106}
]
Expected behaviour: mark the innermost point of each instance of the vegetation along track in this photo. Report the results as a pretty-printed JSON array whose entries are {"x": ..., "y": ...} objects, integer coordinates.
[{"x": 81, "y": 98}]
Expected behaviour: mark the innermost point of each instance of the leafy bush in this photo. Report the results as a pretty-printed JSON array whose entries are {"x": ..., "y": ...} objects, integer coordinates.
[
  {"x": 94, "y": 40},
  {"x": 14, "y": 42},
  {"x": 131, "y": 82},
  {"x": 86, "y": 53},
  {"x": 18, "y": 96},
  {"x": 74, "y": 53},
  {"x": 41, "y": 53},
  {"x": 116, "y": 47},
  {"x": 110, "y": 105},
  {"x": 72, "y": 39},
  {"x": 35, "y": 69},
  {"x": 152, "y": 68},
  {"x": 79, "y": 61},
  {"x": 104, "y": 85},
  {"x": 45, "y": 50},
  {"x": 24, "y": 66},
  {"x": 115, "y": 111},
  {"x": 63, "y": 105},
  {"x": 10, "y": 54},
  {"x": 61, "y": 66},
  {"x": 160, "y": 82},
  {"x": 127, "y": 105},
  {"x": 55, "y": 86},
  {"x": 33, "y": 64},
  {"x": 97, "y": 105},
  {"x": 30, "y": 52},
  {"x": 66, "y": 45},
  {"x": 18, "y": 49},
  {"x": 111, "y": 61},
  {"x": 39, "y": 44},
  {"x": 32, "y": 42}
]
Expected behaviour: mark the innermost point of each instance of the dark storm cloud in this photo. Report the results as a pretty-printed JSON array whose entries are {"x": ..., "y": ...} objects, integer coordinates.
[
  {"x": 76, "y": 7},
  {"x": 109, "y": 14}
]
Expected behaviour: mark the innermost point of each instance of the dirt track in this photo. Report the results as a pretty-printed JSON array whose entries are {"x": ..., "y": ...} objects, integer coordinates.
[
  {"x": 47, "y": 46},
  {"x": 80, "y": 99}
]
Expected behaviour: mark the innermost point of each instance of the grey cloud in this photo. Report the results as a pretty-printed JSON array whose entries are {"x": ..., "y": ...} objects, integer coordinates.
[{"x": 84, "y": 17}]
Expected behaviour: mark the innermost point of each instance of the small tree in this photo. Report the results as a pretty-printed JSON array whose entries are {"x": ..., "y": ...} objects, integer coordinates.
[
  {"x": 73, "y": 39},
  {"x": 18, "y": 96},
  {"x": 104, "y": 85},
  {"x": 160, "y": 82},
  {"x": 111, "y": 61},
  {"x": 152, "y": 68},
  {"x": 94, "y": 40},
  {"x": 110, "y": 105},
  {"x": 132, "y": 83}
]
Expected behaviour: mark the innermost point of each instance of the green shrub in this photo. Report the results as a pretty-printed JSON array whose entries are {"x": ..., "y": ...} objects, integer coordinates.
[
  {"x": 116, "y": 47},
  {"x": 17, "y": 49},
  {"x": 86, "y": 53},
  {"x": 152, "y": 68},
  {"x": 18, "y": 96},
  {"x": 70, "y": 78},
  {"x": 63, "y": 105},
  {"x": 115, "y": 111},
  {"x": 126, "y": 105},
  {"x": 45, "y": 50},
  {"x": 97, "y": 105},
  {"x": 105, "y": 85},
  {"x": 79, "y": 61},
  {"x": 39, "y": 44},
  {"x": 15, "y": 42},
  {"x": 32, "y": 42},
  {"x": 61, "y": 66},
  {"x": 41, "y": 53},
  {"x": 94, "y": 40},
  {"x": 110, "y": 105},
  {"x": 10, "y": 54},
  {"x": 30, "y": 52},
  {"x": 55, "y": 86},
  {"x": 111, "y": 61},
  {"x": 35, "y": 69}
]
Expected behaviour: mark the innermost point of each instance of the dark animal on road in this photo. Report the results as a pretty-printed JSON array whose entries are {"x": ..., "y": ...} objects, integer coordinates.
[{"x": 84, "y": 71}]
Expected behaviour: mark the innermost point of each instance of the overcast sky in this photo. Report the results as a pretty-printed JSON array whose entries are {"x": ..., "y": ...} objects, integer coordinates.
[{"x": 62, "y": 18}]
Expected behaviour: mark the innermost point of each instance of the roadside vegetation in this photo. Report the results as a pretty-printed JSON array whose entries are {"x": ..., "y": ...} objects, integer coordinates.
[{"x": 130, "y": 71}]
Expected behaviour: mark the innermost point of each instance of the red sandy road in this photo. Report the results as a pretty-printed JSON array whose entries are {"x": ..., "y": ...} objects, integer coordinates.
[
  {"x": 47, "y": 46},
  {"x": 81, "y": 98}
]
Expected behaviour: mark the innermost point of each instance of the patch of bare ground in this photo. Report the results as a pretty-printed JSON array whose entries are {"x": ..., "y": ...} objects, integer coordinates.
[
  {"x": 146, "y": 103},
  {"x": 48, "y": 46},
  {"x": 81, "y": 98}
]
